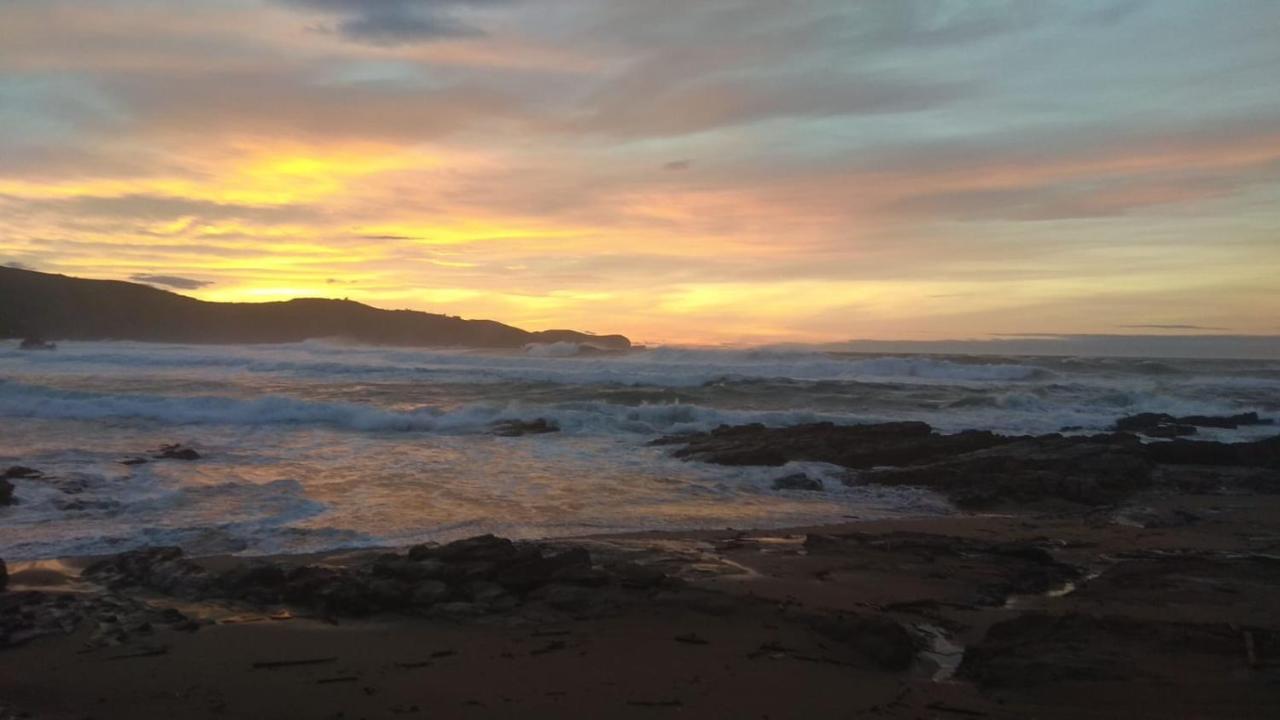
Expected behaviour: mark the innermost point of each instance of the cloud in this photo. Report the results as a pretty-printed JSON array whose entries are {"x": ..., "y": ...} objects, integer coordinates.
[
  {"x": 677, "y": 165},
  {"x": 18, "y": 266},
  {"x": 172, "y": 281},
  {"x": 1174, "y": 326},
  {"x": 396, "y": 22}
]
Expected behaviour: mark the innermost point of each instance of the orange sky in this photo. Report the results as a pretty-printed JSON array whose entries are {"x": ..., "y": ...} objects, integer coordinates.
[{"x": 736, "y": 172}]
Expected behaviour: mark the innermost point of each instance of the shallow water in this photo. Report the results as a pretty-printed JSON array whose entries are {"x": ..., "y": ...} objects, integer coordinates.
[{"x": 316, "y": 446}]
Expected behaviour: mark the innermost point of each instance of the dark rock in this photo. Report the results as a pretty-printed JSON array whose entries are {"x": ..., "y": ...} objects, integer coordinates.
[
  {"x": 484, "y": 591},
  {"x": 1095, "y": 470},
  {"x": 4, "y": 574},
  {"x": 635, "y": 575},
  {"x": 20, "y": 472},
  {"x": 258, "y": 581},
  {"x": 1152, "y": 423},
  {"x": 1258, "y": 453},
  {"x": 488, "y": 548},
  {"x": 798, "y": 481},
  {"x": 568, "y": 598},
  {"x": 6, "y": 492},
  {"x": 853, "y": 446},
  {"x": 516, "y": 428},
  {"x": 885, "y": 644},
  {"x": 36, "y": 343},
  {"x": 429, "y": 592},
  {"x": 535, "y": 570},
  {"x": 134, "y": 461},
  {"x": 165, "y": 569},
  {"x": 176, "y": 452},
  {"x": 410, "y": 570}
]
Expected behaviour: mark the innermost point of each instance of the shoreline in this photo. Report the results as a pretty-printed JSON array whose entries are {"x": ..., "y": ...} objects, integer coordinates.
[
  {"x": 798, "y": 612},
  {"x": 1082, "y": 576}
]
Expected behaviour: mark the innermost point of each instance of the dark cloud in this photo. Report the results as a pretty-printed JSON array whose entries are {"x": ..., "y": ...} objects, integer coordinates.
[
  {"x": 18, "y": 266},
  {"x": 395, "y": 22},
  {"x": 678, "y": 165},
  {"x": 172, "y": 281}
]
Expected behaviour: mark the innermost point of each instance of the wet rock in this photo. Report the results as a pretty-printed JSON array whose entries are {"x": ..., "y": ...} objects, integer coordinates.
[
  {"x": 20, "y": 472},
  {"x": 256, "y": 581},
  {"x": 176, "y": 452},
  {"x": 853, "y": 446},
  {"x": 429, "y": 592},
  {"x": 1258, "y": 453},
  {"x": 798, "y": 481},
  {"x": 6, "y": 492},
  {"x": 403, "y": 568},
  {"x": 112, "y": 619},
  {"x": 1096, "y": 470},
  {"x": 635, "y": 575},
  {"x": 535, "y": 569},
  {"x": 516, "y": 428},
  {"x": 482, "y": 548},
  {"x": 36, "y": 343},
  {"x": 164, "y": 569},
  {"x": 4, "y": 574},
  {"x": 484, "y": 591},
  {"x": 567, "y": 598},
  {"x": 134, "y": 461},
  {"x": 885, "y": 644},
  {"x": 1165, "y": 425}
]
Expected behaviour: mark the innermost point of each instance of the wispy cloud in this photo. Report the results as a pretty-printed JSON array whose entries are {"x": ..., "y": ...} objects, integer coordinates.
[{"x": 172, "y": 281}]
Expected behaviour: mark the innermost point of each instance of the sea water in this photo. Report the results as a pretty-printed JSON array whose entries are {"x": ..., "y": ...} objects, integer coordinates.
[{"x": 317, "y": 446}]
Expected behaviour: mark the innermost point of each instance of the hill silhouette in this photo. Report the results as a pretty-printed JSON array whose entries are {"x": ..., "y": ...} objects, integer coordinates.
[{"x": 58, "y": 307}]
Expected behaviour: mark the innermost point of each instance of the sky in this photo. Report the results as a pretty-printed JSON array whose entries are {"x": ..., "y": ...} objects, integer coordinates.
[{"x": 719, "y": 171}]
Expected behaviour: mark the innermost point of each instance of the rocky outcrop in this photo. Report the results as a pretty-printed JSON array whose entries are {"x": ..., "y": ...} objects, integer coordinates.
[
  {"x": 853, "y": 446},
  {"x": 1163, "y": 425},
  {"x": 16, "y": 472},
  {"x": 516, "y": 428},
  {"x": 1087, "y": 470},
  {"x": 981, "y": 469},
  {"x": 468, "y": 577},
  {"x": 797, "y": 481}
]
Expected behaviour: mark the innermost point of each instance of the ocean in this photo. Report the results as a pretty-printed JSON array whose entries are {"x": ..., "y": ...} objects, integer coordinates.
[{"x": 319, "y": 446}]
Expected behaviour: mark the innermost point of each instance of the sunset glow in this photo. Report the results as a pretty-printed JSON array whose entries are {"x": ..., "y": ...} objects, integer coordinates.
[{"x": 712, "y": 172}]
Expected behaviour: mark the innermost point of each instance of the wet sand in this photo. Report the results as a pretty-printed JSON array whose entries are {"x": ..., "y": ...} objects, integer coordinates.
[{"x": 1051, "y": 614}]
